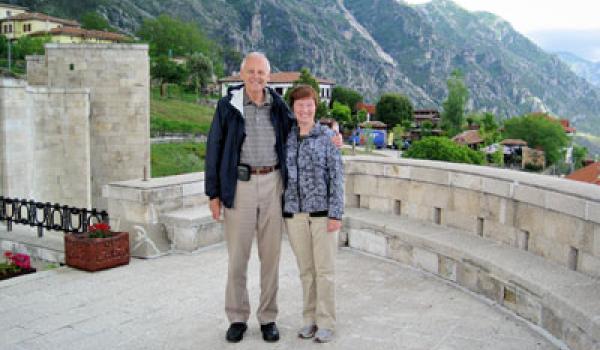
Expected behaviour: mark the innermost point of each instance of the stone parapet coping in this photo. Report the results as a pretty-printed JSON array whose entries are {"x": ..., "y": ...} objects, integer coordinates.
[
  {"x": 97, "y": 46},
  {"x": 573, "y": 198},
  {"x": 561, "y": 301}
]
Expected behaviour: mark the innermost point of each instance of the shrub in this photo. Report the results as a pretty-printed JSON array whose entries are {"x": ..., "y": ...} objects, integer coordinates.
[{"x": 444, "y": 149}]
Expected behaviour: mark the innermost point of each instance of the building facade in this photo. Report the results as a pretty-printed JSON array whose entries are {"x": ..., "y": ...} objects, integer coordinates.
[
  {"x": 281, "y": 82},
  {"x": 26, "y": 23}
]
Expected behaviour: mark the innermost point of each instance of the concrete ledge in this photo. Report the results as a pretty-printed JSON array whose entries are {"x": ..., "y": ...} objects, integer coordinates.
[{"x": 563, "y": 302}]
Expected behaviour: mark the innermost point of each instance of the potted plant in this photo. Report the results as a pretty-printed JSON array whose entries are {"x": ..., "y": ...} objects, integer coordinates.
[
  {"x": 15, "y": 265},
  {"x": 97, "y": 249}
]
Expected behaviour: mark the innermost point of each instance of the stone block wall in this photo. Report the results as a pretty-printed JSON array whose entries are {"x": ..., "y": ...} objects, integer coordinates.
[
  {"x": 555, "y": 218},
  {"x": 37, "y": 70},
  {"x": 42, "y": 143},
  {"x": 118, "y": 76}
]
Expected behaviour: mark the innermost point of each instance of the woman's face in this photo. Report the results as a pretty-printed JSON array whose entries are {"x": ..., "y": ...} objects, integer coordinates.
[{"x": 304, "y": 109}]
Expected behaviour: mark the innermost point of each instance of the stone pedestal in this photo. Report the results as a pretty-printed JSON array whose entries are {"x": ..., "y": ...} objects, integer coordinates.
[{"x": 137, "y": 206}]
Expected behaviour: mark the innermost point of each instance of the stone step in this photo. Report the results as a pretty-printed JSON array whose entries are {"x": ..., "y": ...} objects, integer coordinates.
[
  {"x": 191, "y": 228},
  {"x": 564, "y": 302}
]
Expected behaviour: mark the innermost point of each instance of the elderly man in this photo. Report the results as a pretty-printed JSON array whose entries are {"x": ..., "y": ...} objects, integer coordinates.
[{"x": 245, "y": 173}]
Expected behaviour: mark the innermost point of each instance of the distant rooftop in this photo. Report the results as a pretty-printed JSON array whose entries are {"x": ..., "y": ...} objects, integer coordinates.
[
  {"x": 589, "y": 174},
  {"x": 41, "y": 17},
  {"x": 72, "y": 31},
  {"x": 279, "y": 77}
]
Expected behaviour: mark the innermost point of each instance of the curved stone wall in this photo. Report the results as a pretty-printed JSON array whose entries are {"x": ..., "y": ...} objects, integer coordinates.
[{"x": 554, "y": 218}]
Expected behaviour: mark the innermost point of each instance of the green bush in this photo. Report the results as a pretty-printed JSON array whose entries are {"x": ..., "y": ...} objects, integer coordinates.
[
  {"x": 177, "y": 158},
  {"x": 441, "y": 148}
]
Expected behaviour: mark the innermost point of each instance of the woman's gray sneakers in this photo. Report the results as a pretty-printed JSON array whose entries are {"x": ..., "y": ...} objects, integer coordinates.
[
  {"x": 324, "y": 335},
  {"x": 307, "y": 332}
]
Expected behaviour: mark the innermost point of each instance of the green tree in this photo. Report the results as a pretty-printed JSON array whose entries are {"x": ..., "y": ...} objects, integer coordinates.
[
  {"x": 305, "y": 78},
  {"x": 394, "y": 109},
  {"x": 398, "y": 131},
  {"x": 454, "y": 105},
  {"x": 169, "y": 36},
  {"x": 167, "y": 71},
  {"x": 322, "y": 111},
  {"x": 28, "y": 45},
  {"x": 539, "y": 132},
  {"x": 346, "y": 96},
  {"x": 426, "y": 128},
  {"x": 201, "y": 71},
  {"x": 488, "y": 129},
  {"x": 579, "y": 155},
  {"x": 94, "y": 21},
  {"x": 341, "y": 113},
  {"x": 442, "y": 148}
]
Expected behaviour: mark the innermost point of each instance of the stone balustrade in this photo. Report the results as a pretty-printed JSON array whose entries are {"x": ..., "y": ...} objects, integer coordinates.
[{"x": 554, "y": 218}]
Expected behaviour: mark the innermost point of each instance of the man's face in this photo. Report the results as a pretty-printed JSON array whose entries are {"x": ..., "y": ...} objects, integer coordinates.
[{"x": 255, "y": 74}]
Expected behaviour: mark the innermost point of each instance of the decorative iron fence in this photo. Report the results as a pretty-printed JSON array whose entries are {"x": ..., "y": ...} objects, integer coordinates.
[{"x": 48, "y": 216}]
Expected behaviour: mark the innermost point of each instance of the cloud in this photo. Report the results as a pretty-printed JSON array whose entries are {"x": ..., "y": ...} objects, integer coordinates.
[{"x": 583, "y": 43}]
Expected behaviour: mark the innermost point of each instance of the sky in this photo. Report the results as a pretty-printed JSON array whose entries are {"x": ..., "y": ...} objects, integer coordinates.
[{"x": 555, "y": 25}]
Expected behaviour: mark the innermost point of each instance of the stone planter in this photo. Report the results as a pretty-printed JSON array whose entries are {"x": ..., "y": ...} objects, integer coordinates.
[{"x": 93, "y": 254}]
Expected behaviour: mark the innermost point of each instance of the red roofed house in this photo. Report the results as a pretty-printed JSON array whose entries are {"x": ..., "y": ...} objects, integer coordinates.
[
  {"x": 281, "y": 82},
  {"x": 370, "y": 109},
  {"x": 589, "y": 174},
  {"x": 469, "y": 138}
]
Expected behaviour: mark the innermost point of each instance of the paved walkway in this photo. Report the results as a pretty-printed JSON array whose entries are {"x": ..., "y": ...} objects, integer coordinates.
[{"x": 176, "y": 302}]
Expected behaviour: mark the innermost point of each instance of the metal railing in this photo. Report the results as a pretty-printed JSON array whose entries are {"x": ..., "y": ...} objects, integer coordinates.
[{"x": 48, "y": 216}]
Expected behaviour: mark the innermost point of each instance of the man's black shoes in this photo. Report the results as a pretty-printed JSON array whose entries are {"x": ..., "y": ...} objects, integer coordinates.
[
  {"x": 235, "y": 333},
  {"x": 270, "y": 332}
]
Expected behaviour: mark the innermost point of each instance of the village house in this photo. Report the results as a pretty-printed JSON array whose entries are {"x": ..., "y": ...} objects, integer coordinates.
[
  {"x": 369, "y": 108},
  {"x": 281, "y": 82},
  {"x": 16, "y": 22},
  {"x": 8, "y": 10}
]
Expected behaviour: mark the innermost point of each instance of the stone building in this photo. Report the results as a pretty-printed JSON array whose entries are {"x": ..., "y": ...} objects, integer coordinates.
[{"x": 79, "y": 121}]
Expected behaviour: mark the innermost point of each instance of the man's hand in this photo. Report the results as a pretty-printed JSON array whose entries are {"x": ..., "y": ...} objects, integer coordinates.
[
  {"x": 337, "y": 140},
  {"x": 215, "y": 208},
  {"x": 334, "y": 225}
]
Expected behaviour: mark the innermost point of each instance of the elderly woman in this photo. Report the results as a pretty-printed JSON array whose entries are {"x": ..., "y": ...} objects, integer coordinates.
[{"x": 314, "y": 203}]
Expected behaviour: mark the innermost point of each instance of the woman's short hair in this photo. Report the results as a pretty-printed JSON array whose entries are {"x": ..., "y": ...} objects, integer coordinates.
[{"x": 303, "y": 91}]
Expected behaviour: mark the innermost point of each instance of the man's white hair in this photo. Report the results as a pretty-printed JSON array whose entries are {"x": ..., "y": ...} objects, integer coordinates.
[{"x": 256, "y": 54}]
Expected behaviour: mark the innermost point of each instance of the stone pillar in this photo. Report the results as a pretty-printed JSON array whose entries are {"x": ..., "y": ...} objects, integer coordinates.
[
  {"x": 118, "y": 76},
  {"x": 16, "y": 133},
  {"x": 61, "y": 145}
]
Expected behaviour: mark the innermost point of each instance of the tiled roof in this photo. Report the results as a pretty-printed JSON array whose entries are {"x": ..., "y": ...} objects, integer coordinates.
[
  {"x": 13, "y": 6},
  {"x": 513, "y": 142},
  {"x": 589, "y": 174},
  {"x": 279, "y": 77},
  {"x": 41, "y": 17},
  {"x": 469, "y": 137},
  {"x": 96, "y": 34},
  {"x": 371, "y": 109}
]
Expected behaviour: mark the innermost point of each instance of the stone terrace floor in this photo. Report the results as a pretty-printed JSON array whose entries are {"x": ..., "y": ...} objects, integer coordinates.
[{"x": 176, "y": 302}]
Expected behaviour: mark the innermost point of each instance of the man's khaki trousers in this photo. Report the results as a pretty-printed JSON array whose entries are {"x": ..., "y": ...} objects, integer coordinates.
[
  {"x": 256, "y": 212},
  {"x": 315, "y": 251}
]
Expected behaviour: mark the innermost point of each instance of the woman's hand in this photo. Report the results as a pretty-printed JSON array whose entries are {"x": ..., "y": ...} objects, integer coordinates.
[{"x": 334, "y": 225}]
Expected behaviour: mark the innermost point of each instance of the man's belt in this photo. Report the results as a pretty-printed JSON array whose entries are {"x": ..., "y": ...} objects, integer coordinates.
[{"x": 261, "y": 170}]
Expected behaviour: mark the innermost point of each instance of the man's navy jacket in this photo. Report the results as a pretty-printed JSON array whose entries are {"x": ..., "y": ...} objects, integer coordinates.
[{"x": 225, "y": 139}]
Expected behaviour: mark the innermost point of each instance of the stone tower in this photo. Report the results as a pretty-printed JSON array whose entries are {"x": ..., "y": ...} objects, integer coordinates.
[{"x": 82, "y": 117}]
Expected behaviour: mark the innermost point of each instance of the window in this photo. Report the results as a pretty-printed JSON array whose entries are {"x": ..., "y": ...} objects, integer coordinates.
[{"x": 27, "y": 27}]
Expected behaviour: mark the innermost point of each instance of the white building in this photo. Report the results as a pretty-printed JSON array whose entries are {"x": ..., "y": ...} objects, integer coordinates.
[
  {"x": 8, "y": 10},
  {"x": 281, "y": 82}
]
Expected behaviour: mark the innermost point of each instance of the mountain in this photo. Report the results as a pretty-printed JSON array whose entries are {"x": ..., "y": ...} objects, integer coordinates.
[
  {"x": 378, "y": 46},
  {"x": 582, "y": 67}
]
